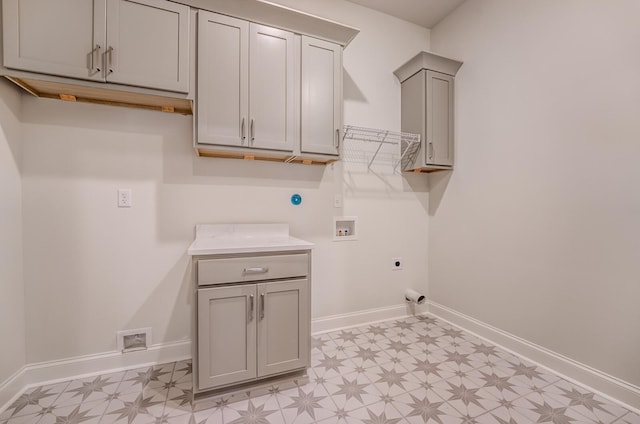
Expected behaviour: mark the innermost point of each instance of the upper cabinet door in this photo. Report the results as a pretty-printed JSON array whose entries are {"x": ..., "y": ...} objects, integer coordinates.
[
  {"x": 439, "y": 125},
  {"x": 223, "y": 80},
  {"x": 283, "y": 326},
  {"x": 56, "y": 37},
  {"x": 148, "y": 44},
  {"x": 272, "y": 88},
  {"x": 321, "y": 118}
]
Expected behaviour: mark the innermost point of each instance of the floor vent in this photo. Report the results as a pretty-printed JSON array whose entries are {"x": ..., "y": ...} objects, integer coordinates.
[{"x": 132, "y": 340}]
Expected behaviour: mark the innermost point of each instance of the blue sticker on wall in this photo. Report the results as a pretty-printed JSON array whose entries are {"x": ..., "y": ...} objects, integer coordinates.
[{"x": 296, "y": 199}]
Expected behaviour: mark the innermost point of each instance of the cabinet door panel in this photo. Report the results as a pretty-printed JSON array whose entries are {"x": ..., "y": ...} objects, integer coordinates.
[
  {"x": 321, "y": 96},
  {"x": 272, "y": 88},
  {"x": 413, "y": 117},
  {"x": 223, "y": 78},
  {"x": 283, "y": 326},
  {"x": 54, "y": 37},
  {"x": 439, "y": 111},
  {"x": 150, "y": 42},
  {"x": 226, "y": 335}
]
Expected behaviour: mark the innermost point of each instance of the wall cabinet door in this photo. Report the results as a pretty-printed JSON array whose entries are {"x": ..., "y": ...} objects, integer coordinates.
[
  {"x": 283, "y": 326},
  {"x": 321, "y": 119},
  {"x": 439, "y": 118},
  {"x": 272, "y": 88},
  {"x": 57, "y": 37},
  {"x": 226, "y": 335},
  {"x": 223, "y": 80},
  {"x": 148, "y": 44},
  {"x": 427, "y": 109}
]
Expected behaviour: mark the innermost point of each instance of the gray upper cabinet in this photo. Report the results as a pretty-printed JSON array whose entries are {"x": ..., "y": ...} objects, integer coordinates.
[
  {"x": 321, "y": 114},
  {"x": 428, "y": 109},
  {"x": 57, "y": 37},
  {"x": 143, "y": 43},
  {"x": 246, "y": 84}
]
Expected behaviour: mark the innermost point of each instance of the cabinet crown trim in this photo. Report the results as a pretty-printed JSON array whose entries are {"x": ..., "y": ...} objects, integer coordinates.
[
  {"x": 278, "y": 16},
  {"x": 430, "y": 61}
]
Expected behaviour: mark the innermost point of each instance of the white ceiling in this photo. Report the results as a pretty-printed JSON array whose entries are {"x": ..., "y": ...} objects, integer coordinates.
[{"x": 426, "y": 13}]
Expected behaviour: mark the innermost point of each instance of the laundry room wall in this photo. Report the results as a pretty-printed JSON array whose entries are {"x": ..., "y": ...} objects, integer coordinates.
[{"x": 92, "y": 269}]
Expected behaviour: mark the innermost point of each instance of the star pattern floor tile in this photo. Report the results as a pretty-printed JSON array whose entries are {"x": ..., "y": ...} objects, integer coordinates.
[{"x": 414, "y": 370}]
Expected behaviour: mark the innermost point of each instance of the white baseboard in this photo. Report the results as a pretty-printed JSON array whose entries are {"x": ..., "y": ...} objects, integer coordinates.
[
  {"x": 595, "y": 380},
  {"x": 85, "y": 366},
  {"x": 367, "y": 316}
]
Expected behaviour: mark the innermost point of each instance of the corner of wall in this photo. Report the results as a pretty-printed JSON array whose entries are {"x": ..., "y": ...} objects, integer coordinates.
[{"x": 12, "y": 305}]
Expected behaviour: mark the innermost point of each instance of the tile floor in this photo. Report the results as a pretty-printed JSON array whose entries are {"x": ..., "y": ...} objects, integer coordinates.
[{"x": 416, "y": 370}]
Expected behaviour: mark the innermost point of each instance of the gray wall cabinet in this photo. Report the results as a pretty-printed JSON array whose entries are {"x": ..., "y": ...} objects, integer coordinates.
[
  {"x": 266, "y": 93},
  {"x": 246, "y": 84},
  {"x": 100, "y": 40},
  {"x": 427, "y": 109}
]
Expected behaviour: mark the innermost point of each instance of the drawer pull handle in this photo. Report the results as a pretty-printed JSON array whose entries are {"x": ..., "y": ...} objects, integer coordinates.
[
  {"x": 250, "y": 307},
  {"x": 261, "y": 306},
  {"x": 261, "y": 270}
]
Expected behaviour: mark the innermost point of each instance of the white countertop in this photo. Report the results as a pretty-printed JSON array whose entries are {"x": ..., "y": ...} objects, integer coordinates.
[{"x": 216, "y": 239}]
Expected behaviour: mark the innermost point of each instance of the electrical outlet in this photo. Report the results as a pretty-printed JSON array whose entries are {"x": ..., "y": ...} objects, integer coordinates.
[
  {"x": 124, "y": 198},
  {"x": 396, "y": 264}
]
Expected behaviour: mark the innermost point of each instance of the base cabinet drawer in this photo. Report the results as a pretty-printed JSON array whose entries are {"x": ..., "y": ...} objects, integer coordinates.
[
  {"x": 254, "y": 268},
  {"x": 250, "y": 331}
]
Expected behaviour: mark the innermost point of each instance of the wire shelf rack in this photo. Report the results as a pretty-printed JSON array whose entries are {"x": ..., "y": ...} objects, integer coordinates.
[{"x": 398, "y": 148}]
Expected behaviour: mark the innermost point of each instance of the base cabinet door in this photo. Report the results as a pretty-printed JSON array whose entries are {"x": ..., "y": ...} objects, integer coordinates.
[
  {"x": 226, "y": 335},
  {"x": 283, "y": 326}
]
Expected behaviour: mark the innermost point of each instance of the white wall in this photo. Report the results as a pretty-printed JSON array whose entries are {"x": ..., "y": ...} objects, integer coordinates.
[
  {"x": 92, "y": 269},
  {"x": 12, "y": 312},
  {"x": 537, "y": 231}
]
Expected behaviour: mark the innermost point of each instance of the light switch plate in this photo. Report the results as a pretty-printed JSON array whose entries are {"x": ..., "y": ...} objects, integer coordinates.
[{"x": 337, "y": 201}]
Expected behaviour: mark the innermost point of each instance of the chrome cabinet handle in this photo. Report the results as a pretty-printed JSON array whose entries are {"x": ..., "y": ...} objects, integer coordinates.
[
  {"x": 430, "y": 150},
  {"x": 337, "y": 143},
  {"x": 242, "y": 134},
  {"x": 251, "y": 307},
  {"x": 108, "y": 53},
  {"x": 92, "y": 56},
  {"x": 253, "y": 132},
  {"x": 261, "y": 306},
  {"x": 261, "y": 270}
]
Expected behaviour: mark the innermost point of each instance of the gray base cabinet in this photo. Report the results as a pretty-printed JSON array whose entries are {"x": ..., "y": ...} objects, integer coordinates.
[
  {"x": 251, "y": 331},
  {"x": 427, "y": 109}
]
